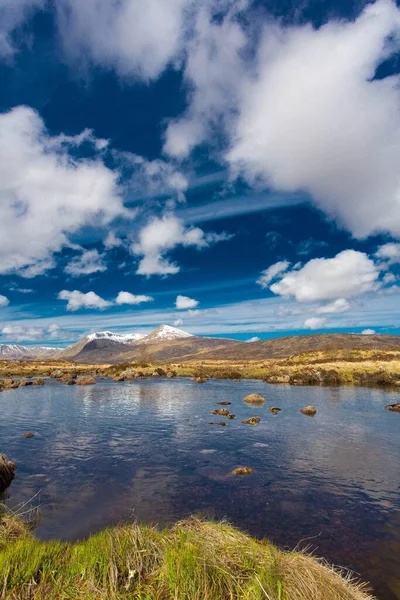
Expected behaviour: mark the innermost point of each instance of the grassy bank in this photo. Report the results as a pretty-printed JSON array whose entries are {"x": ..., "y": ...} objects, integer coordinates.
[
  {"x": 195, "y": 560},
  {"x": 341, "y": 367}
]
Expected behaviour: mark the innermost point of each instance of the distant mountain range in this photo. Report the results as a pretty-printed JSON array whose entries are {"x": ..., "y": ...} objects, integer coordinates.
[{"x": 169, "y": 344}]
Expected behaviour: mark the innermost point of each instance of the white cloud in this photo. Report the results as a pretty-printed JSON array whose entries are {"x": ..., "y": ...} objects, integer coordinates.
[
  {"x": 163, "y": 234},
  {"x": 112, "y": 241},
  {"x": 314, "y": 323},
  {"x": 348, "y": 274},
  {"x": 272, "y": 272},
  {"x": 4, "y": 301},
  {"x": 213, "y": 71},
  {"x": 13, "y": 13},
  {"x": 45, "y": 194},
  {"x": 137, "y": 39},
  {"x": 389, "y": 278},
  {"x": 90, "y": 261},
  {"x": 184, "y": 302},
  {"x": 313, "y": 118},
  {"x": 128, "y": 298},
  {"x": 22, "y": 333},
  {"x": 21, "y": 290},
  {"x": 77, "y": 300},
  {"x": 253, "y": 339},
  {"x": 340, "y": 305},
  {"x": 389, "y": 252},
  {"x": 178, "y": 322},
  {"x": 368, "y": 332}
]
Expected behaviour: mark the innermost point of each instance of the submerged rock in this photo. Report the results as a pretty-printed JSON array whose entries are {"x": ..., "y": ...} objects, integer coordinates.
[
  {"x": 274, "y": 410},
  {"x": 393, "y": 407},
  {"x": 255, "y": 399},
  {"x": 252, "y": 421},
  {"x": 224, "y": 412},
  {"x": 224, "y": 403},
  {"x": 243, "y": 471},
  {"x": 28, "y": 435},
  {"x": 222, "y": 423},
  {"x": 7, "y": 472},
  {"x": 200, "y": 379},
  {"x": 86, "y": 381},
  {"x": 231, "y": 416},
  {"x": 310, "y": 411},
  {"x": 25, "y": 383}
]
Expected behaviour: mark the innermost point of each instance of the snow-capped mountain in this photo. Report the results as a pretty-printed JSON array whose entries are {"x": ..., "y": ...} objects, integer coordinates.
[
  {"x": 15, "y": 351},
  {"x": 164, "y": 333},
  {"x": 123, "y": 338}
]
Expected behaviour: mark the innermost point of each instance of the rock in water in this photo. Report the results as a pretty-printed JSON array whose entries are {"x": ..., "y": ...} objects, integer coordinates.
[
  {"x": 252, "y": 421},
  {"x": 39, "y": 382},
  {"x": 86, "y": 381},
  {"x": 254, "y": 399},
  {"x": 7, "y": 472},
  {"x": 243, "y": 471},
  {"x": 224, "y": 403},
  {"x": 393, "y": 407},
  {"x": 310, "y": 411},
  {"x": 274, "y": 410},
  {"x": 222, "y": 423},
  {"x": 223, "y": 412},
  {"x": 28, "y": 435}
]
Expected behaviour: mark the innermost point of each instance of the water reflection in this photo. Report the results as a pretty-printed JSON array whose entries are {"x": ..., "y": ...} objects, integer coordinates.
[{"x": 110, "y": 452}]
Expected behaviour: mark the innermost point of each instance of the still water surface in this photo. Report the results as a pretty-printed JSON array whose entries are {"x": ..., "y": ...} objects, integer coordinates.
[{"x": 145, "y": 450}]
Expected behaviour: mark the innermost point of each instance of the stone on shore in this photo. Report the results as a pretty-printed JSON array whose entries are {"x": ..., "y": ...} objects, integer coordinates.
[{"x": 86, "y": 381}]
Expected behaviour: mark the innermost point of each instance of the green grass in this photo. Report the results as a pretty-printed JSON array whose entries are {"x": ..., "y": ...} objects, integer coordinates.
[{"x": 194, "y": 560}]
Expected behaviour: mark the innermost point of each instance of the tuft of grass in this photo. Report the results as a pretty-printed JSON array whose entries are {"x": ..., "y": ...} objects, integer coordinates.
[{"x": 194, "y": 560}]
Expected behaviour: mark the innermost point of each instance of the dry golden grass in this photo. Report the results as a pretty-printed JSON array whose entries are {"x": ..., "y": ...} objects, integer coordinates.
[{"x": 194, "y": 560}]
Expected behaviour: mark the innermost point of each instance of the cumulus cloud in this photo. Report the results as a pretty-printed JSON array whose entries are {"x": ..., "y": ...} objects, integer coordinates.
[
  {"x": 313, "y": 118},
  {"x": 340, "y": 305},
  {"x": 45, "y": 194},
  {"x": 161, "y": 235},
  {"x": 178, "y": 322},
  {"x": 213, "y": 71},
  {"x": 128, "y": 298},
  {"x": 272, "y": 272},
  {"x": 137, "y": 39},
  {"x": 13, "y": 13},
  {"x": 90, "y": 261},
  {"x": 4, "y": 301},
  {"x": 112, "y": 241},
  {"x": 77, "y": 300},
  {"x": 368, "y": 331},
  {"x": 22, "y": 333},
  {"x": 314, "y": 323},
  {"x": 185, "y": 303},
  {"x": 389, "y": 252},
  {"x": 348, "y": 274}
]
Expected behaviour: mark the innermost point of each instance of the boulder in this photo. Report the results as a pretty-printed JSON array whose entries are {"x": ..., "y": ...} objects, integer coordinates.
[
  {"x": 310, "y": 411},
  {"x": 222, "y": 423},
  {"x": 118, "y": 378},
  {"x": 9, "y": 384},
  {"x": 39, "y": 382},
  {"x": 171, "y": 374},
  {"x": 86, "y": 381},
  {"x": 7, "y": 472},
  {"x": 231, "y": 416},
  {"x": 252, "y": 421},
  {"x": 274, "y": 410},
  {"x": 255, "y": 399},
  {"x": 224, "y": 403},
  {"x": 200, "y": 379},
  {"x": 243, "y": 471},
  {"x": 28, "y": 435},
  {"x": 393, "y": 407}
]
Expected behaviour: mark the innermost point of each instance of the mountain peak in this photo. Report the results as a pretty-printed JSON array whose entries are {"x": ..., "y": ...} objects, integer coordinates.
[{"x": 166, "y": 332}]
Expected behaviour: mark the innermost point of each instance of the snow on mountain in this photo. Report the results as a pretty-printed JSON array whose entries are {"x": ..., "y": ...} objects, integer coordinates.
[
  {"x": 123, "y": 338},
  {"x": 165, "y": 333},
  {"x": 15, "y": 351}
]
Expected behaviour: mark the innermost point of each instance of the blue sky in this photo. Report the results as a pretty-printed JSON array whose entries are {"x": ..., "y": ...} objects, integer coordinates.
[{"x": 231, "y": 167}]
